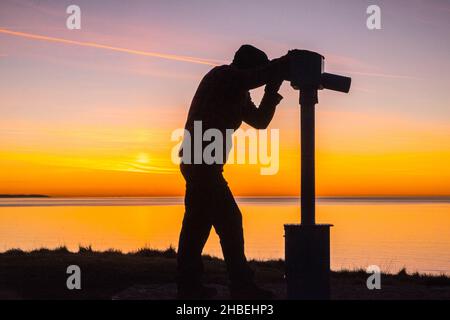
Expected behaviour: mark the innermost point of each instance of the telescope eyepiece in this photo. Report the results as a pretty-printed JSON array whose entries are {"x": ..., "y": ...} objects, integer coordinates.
[{"x": 306, "y": 72}]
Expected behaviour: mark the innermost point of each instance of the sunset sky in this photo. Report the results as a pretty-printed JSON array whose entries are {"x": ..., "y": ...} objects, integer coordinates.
[{"x": 90, "y": 112}]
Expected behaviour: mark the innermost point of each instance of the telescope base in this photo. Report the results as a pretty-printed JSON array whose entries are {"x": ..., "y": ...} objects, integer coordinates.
[{"x": 307, "y": 260}]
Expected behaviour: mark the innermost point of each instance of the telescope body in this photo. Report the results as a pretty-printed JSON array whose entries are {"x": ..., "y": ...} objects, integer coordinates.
[
  {"x": 306, "y": 72},
  {"x": 307, "y": 245}
]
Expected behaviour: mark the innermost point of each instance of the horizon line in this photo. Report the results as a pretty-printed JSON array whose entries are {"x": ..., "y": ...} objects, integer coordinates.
[
  {"x": 49, "y": 196},
  {"x": 178, "y": 200}
]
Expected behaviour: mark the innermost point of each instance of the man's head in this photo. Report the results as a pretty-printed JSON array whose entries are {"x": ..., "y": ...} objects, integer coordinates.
[{"x": 248, "y": 57}]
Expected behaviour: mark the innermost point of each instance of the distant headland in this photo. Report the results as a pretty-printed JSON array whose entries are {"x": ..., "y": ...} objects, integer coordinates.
[{"x": 24, "y": 196}]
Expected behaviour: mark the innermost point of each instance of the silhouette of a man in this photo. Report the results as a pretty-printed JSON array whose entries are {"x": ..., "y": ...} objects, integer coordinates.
[{"x": 223, "y": 101}]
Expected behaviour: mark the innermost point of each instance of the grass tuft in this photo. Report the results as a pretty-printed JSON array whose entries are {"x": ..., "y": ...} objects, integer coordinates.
[
  {"x": 14, "y": 252},
  {"x": 85, "y": 250}
]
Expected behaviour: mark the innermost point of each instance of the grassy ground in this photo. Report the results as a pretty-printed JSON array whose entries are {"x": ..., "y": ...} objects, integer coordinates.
[{"x": 41, "y": 274}]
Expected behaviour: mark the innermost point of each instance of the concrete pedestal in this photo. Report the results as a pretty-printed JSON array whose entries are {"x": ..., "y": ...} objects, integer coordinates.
[{"x": 307, "y": 256}]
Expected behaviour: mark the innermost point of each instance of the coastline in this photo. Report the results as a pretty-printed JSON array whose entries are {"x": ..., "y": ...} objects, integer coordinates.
[
  {"x": 41, "y": 274},
  {"x": 50, "y": 201}
]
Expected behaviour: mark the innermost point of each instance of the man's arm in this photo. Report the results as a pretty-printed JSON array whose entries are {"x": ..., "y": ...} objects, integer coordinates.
[
  {"x": 275, "y": 70},
  {"x": 260, "y": 118}
]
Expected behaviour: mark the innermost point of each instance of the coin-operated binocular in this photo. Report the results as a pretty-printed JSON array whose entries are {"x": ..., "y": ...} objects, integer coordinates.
[
  {"x": 307, "y": 245},
  {"x": 306, "y": 72}
]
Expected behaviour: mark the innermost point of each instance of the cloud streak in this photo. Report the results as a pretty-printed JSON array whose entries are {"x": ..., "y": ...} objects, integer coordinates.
[
  {"x": 181, "y": 58},
  {"x": 111, "y": 48},
  {"x": 384, "y": 75}
]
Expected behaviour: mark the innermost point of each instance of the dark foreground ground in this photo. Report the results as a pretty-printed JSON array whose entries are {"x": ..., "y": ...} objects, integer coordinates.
[{"x": 149, "y": 274}]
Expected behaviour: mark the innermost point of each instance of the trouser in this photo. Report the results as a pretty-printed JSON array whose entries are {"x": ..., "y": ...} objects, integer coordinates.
[{"x": 210, "y": 203}]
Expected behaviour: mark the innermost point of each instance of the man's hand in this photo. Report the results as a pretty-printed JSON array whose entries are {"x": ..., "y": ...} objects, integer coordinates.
[{"x": 273, "y": 86}]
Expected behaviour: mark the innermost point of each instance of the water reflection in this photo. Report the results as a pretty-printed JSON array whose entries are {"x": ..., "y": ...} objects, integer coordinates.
[{"x": 390, "y": 234}]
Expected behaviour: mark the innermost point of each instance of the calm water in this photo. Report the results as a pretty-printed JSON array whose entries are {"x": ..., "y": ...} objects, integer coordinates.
[{"x": 390, "y": 234}]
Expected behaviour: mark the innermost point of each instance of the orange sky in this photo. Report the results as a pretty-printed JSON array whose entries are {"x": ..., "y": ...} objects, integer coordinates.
[
  {"x": 91, "y": 112},
  {"x": 402, "y": 158}
]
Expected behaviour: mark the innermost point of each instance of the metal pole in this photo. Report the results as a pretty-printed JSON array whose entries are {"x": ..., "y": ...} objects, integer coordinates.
[
  {"x": 307, "y": 244},
  {"x": 308, "y": 100}
]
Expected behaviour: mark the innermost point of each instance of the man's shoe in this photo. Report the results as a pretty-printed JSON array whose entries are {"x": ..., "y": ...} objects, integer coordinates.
[
  {"x": 199, "y": 292},
  {"x": 251, "y": 292}
]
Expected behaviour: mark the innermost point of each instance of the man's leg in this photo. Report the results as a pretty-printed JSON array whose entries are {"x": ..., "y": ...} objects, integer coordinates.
[
  {"x": 193, "y": 236},
  {"x": 228, "y": 225}
]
